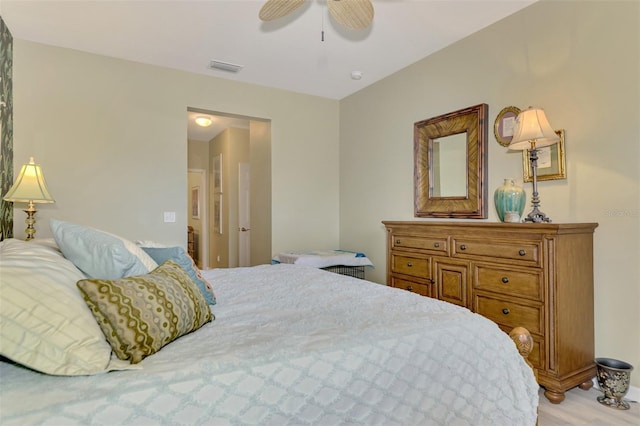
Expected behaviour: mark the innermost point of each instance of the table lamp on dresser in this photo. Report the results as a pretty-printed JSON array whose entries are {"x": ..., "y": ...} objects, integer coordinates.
[{"x": 533, "y": 132}]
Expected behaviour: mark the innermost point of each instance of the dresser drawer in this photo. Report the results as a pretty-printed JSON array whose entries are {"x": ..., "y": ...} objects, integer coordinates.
[
  {"x": 412, "y": 286},
  {"x": 505, "y": 281},
  {"x": 414, "y": 266},
  {"x": 433, "y": 244},
  {"x": 510, "y": 314},
  {"x": 520, "y": 252}
]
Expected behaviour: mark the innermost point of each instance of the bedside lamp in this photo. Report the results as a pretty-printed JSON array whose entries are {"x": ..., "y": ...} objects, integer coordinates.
[
  {"x": 533, "y": 131},
  {"x": 31, "y": 188}
]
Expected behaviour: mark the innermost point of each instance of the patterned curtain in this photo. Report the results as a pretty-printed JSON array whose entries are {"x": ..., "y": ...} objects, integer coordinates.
[{"x": 6, "y": 130}]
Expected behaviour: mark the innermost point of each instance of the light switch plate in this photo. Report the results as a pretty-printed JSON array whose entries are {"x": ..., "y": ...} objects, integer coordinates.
[{"x": 169, "y": 217}]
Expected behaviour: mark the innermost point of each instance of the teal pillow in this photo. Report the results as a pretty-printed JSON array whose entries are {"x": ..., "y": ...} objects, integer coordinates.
[
  {"x": 99, "y": 254},
  {"x": 177, "y": 254}
]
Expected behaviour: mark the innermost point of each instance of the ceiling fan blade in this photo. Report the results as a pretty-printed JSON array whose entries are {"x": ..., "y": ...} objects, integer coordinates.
[
  {"x": 274, "y": 9},
  {"x": 355, "y": 14}
]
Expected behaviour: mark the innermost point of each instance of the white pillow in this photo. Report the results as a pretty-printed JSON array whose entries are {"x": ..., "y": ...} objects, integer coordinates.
[
  {"x": 100, "y": 254},
  {"x": 44, "y": 322}
]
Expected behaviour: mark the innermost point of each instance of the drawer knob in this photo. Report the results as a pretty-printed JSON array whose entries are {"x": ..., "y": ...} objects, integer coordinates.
[
  {"x": 505, "y": 311},
  {"x": 409, "y": 264},
  {"x": 409, "y": 288},
  {"x": 398, "y": 242},
  {"x": 436, "y": 245},
  {"x": 522, "y": 252},
  {"x": 505, "y": 280},
  {"x": 463, "y": 247}
]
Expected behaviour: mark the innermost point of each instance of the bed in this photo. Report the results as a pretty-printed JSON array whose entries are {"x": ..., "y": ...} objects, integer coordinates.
[{"x": 289, "y": 345}]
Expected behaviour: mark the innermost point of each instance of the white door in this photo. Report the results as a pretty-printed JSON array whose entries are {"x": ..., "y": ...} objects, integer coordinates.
[{"x": 244, "y": 216}]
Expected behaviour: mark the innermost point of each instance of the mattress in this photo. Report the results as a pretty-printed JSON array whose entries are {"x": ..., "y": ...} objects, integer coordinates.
[{"x": 295, "y": 345}]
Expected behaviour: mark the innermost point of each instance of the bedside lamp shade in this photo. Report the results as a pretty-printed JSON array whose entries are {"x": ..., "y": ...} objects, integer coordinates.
[{"x": 30, "y": 187}]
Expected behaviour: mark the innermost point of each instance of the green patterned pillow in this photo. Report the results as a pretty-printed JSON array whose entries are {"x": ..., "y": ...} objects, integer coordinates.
[{"x": 140, "y": 314}]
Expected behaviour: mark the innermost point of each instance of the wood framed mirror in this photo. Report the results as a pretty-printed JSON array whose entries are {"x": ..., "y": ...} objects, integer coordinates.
[{"x": 450, "y": 164}]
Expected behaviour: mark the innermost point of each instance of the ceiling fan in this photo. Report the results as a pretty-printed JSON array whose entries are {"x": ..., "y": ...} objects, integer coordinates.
[{"x": 354, "y": 14}]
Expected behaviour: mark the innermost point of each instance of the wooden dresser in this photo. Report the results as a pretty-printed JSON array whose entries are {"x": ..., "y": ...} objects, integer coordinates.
[{"x": 537, "y": 276}]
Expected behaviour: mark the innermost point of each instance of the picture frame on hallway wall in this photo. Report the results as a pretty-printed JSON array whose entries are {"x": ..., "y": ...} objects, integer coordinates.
[
  {"x": 217, "y": 173},
  {"x": 195, "y": 202},
  {"x": 217, "y": 213},
  {"x": 551, "y": 161},
  {"x": 217, "y": 193}
]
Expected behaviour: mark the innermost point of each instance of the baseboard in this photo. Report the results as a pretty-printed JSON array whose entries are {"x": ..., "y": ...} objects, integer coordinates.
[{"x": 632, "y": 395}]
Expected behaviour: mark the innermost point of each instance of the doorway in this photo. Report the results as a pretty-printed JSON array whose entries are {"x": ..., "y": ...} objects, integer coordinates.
[{"x": 235, "y": 152}]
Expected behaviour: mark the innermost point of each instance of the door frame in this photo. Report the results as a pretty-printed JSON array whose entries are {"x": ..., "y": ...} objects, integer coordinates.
[
  {"x": 203, "y": 241},
  {"x": 244, "y": 214}
]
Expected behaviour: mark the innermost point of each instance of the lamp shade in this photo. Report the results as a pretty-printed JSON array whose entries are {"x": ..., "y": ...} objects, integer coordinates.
[
  {"x": 29, "y": 186},
  {"x": 532, "y": 130}
]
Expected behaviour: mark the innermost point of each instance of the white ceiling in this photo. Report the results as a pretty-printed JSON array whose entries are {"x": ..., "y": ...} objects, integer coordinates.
[{"x": 287, "y": 53}]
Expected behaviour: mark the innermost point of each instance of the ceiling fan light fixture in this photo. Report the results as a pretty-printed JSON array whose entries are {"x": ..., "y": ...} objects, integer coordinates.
[
  {"x": 203, "y": 121},
  {"x": 225, "y": 66}
]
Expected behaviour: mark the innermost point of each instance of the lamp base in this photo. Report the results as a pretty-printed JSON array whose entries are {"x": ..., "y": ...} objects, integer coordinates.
[
  {"x": 30, "y": 221},
  {"x": 536, "y": 216}
]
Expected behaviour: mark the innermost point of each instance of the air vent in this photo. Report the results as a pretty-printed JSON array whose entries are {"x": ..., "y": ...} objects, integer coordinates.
[{"x": 225, "y": 66}]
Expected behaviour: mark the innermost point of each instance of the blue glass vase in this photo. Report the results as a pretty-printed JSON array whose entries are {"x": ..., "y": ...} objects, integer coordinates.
[{"x": 509, "y": 200}]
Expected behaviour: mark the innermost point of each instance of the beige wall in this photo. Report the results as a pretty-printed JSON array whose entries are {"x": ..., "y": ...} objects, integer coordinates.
[
  {"x": 111, "y": 137},
  {"x": 577, "y": 60},
  {"x": 260, "y": 203}
]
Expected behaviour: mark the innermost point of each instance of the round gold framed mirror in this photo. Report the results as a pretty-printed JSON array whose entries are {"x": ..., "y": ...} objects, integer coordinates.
[{"x": 504, "y": 126}]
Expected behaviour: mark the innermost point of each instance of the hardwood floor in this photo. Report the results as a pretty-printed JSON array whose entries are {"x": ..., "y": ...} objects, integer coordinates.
[{"x": 582, "y": 408}]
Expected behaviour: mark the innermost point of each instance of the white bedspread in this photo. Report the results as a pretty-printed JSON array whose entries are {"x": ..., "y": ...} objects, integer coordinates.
[{"x": 296, "y": 345}]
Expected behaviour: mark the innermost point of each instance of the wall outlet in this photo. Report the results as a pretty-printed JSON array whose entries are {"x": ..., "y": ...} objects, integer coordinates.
[{"x": 169, "y": 217}]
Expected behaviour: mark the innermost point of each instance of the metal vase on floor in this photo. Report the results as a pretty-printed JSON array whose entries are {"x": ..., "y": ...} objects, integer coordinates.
[{"x": 614, "y": 377}]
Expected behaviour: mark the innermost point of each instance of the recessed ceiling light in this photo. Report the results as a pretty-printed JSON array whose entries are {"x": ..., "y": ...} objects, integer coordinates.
[{"x": 203, "y": 121}]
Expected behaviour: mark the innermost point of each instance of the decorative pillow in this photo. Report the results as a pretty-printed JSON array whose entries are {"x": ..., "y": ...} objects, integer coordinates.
[
  {"x": 99, "y": 254},
  {"x": 44, "y": 322},
  {"x": 139, "y": 315},
  {"x": 162, "y": 254}
]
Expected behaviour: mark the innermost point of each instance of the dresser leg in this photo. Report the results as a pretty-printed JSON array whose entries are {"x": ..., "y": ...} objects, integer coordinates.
[
  {"x": 554, "y": 397},
  {"x": 586, "y": 385}
]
